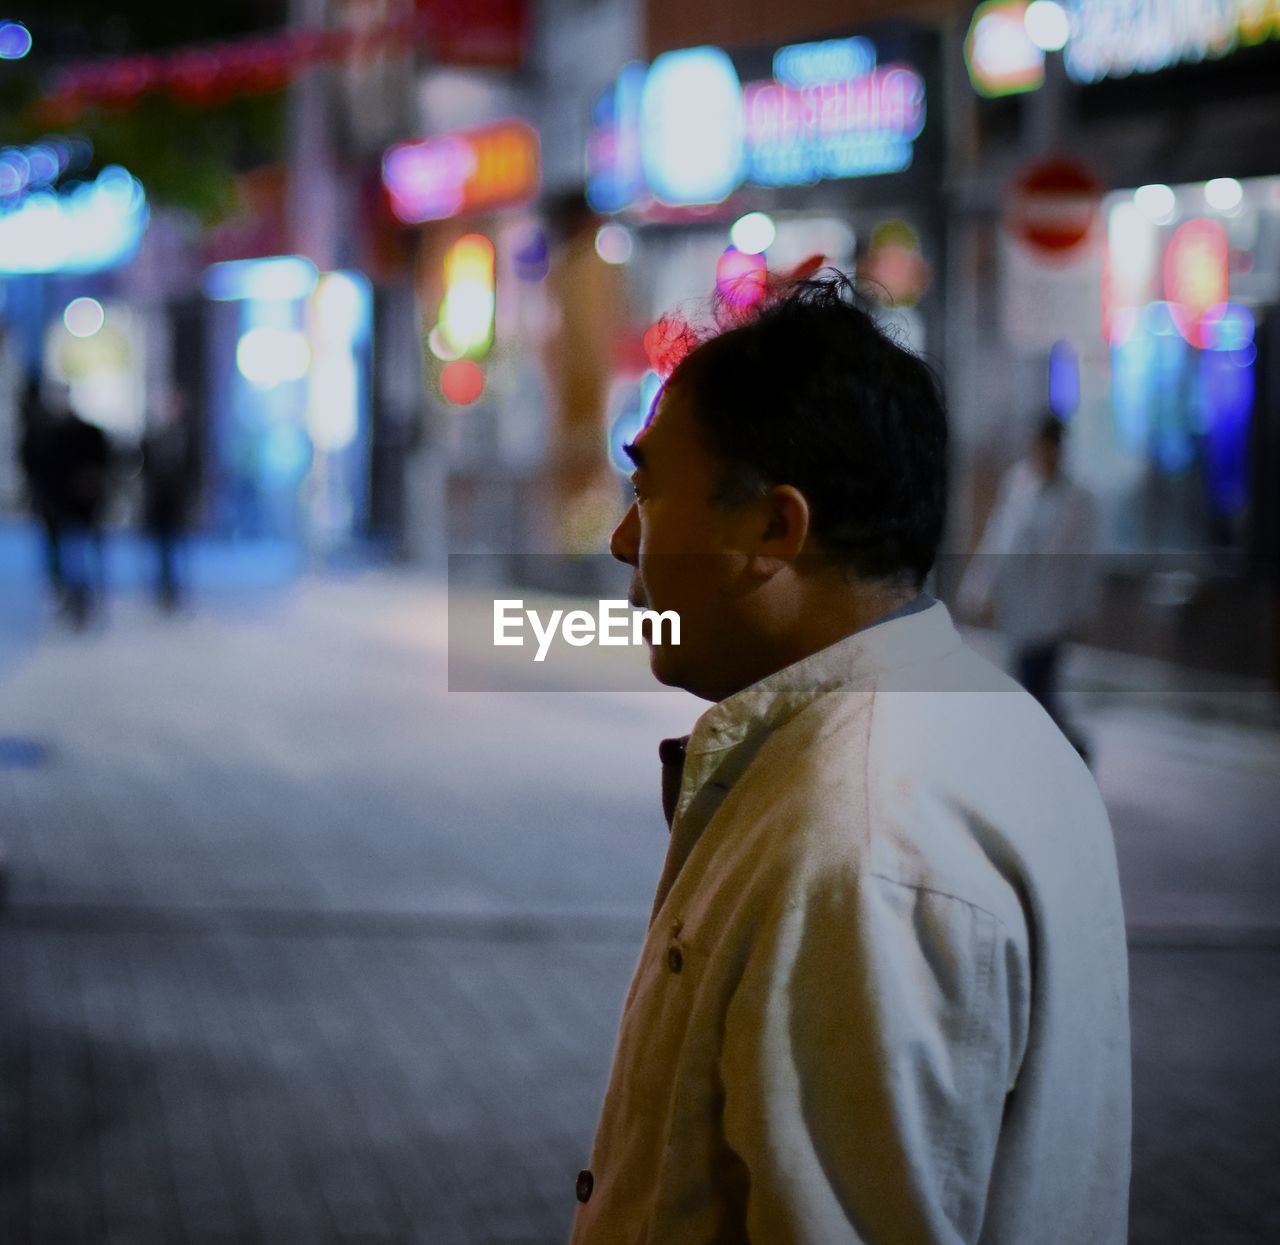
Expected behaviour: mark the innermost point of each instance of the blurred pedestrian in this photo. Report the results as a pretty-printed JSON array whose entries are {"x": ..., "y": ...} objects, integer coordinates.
[
  {"x": 37, "y": 457},
  {"x": 1034, "y": 568},
  {"x": 169, "y": 477},
  {"x": 67, "y": 463},
  {"x": 883, "y": 995}
]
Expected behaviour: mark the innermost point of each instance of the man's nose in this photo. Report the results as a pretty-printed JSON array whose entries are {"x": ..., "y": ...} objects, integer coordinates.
[{"x": 624, "y": 544}]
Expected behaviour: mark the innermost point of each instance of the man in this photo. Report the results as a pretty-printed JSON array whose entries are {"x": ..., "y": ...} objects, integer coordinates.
[
  {"x": 169, "y": 480},
  {"x": 67, "y": 461},
  {"x": 883, "y": 993},
  {"x": 1033, "y": 568}
]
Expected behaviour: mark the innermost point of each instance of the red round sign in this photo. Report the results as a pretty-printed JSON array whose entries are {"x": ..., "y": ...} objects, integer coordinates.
[{"x": 1052, "y": 207}]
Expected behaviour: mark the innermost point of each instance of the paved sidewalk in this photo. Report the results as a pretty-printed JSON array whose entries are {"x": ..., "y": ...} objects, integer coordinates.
[{"x": 301, "y": 948}]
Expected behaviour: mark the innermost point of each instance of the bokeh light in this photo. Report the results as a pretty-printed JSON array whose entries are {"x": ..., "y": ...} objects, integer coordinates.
[
  {"x": 666, "y": 342},
  {"x": 753, "y": 233},
  {"x": 267, "y": 357},
  {"x": 462, "y": 382},
  {"x": 1156, "y": 202},
  {"x": 614, "y": 243},
  {"x": 466, "y": 313},
  {"x": 1223, "y": 194},
  {"x": 532, "y": 258},
  {"x": 83, "y": 317},
  {"x": 741, "y": 277},
  {"x": 15, "y": 41},
  {"x": 1048, "y": 25}
]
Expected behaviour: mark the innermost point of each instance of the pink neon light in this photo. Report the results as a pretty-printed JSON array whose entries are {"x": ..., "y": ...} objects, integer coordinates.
[
  {"x": 741, "y": 277},
  {"x": 889, "y": 100},
  {"x": 428, "y": 180}
]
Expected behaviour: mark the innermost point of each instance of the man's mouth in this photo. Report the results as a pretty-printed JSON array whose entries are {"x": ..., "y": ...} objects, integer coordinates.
[{"x": 635, "y": 595}]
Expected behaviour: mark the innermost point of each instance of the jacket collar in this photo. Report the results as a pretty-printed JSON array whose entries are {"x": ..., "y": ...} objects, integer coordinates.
[{"x": 919, "y": 632}]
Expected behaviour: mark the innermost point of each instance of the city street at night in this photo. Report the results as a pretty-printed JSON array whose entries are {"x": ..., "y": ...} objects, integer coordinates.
[
  {"x": 492, "y": 493},
  {"x": 301, "y": 947}
]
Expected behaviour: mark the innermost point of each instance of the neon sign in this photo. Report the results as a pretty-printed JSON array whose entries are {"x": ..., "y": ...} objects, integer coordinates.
[
  {"x": 832, "y": 60},
  {"x": 468, "y": 171},
  {"x": 854, "y": 127},
  {"x": 830, "y": 111},
  {"x": 1114, "y": 38}
]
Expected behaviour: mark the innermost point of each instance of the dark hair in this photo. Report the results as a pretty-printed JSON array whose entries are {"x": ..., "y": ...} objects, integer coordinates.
[{"x": 812, "y": 392}]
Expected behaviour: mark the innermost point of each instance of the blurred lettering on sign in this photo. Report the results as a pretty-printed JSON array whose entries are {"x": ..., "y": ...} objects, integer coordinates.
[
  {"x": 854, "y": 127},
  {"x": 468, "y": 171},
  {"x": 686, "y": 132},
  {"x": 1114, "y": 38}
]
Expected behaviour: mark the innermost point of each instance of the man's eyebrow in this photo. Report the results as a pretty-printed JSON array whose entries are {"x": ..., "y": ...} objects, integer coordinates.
[{"x": 634, "y": 452}]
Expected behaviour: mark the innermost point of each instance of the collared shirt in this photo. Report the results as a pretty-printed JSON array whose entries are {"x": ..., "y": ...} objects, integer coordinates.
[{"x": 883, "y": 992}]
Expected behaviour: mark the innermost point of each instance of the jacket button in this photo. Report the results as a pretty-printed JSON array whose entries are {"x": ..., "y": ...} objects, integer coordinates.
[
  {"x": 586, "y": 1182},
  {"x": 675, "y": 961}
]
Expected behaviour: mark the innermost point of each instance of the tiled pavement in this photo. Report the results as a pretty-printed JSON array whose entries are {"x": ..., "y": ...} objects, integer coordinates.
[{"x": 301, "y": 949}]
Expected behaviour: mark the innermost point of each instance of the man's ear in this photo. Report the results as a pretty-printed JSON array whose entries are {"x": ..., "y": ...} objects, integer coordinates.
[{"x": 786, "y": 521}]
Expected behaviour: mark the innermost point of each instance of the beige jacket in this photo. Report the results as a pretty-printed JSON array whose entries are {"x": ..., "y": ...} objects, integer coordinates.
[{"x": 883, "y": 997}]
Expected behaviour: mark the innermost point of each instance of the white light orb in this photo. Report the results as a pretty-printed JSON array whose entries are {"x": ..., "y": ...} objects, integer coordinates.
[
  {"x": 1048, "y": 25},
  {"x": 753, "y": 233},
  {"x": 614, "y": 243},
  {"x": 1223, "y": 194},
  {"x": 84, "y": 317},
  {"x": 267, "y": 357},
  {"x": 1156, "y": 202}
]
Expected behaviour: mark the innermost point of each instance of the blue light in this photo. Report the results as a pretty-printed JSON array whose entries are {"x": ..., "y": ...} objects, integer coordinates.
[
  {"x": 832, "y": 60},
  {"x": 15, "y": 172},
  {"x": 615, "y": 178},
  {"x": 1228, "y": 326},
  {"x": 692, "y": 133},
  {"x": 94, "y": 226},
  {"x": 633, "y": 404},
  {"x": 281, "y": 277},
  {"x": 15, "y": 41},
  {"x": 1226, "y": 394},
  {"x": 1064, "y": 380}
]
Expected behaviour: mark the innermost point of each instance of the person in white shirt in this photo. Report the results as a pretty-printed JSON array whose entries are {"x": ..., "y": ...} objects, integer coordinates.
[
  {"x": 1034, "y": 568},
  {"x": 883, "y": 993}
]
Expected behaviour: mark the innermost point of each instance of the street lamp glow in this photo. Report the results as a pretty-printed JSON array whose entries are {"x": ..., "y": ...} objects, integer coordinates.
[
  {"x": 83, "y": 317},
  {"x": 1048, "y": 25},
  {"x": 753, "y": 233},
  {"x": 1156, "y": 202},
  {"x": 15, "y": 41},
  {"x": 1223, "y": 194}
]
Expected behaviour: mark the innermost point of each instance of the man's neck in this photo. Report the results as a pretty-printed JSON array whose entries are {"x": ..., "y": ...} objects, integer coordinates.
[{"x": 820, "y": 620}]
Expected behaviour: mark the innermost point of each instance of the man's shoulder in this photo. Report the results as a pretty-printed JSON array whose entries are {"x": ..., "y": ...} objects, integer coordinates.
[{"x": 947, "y": 777}]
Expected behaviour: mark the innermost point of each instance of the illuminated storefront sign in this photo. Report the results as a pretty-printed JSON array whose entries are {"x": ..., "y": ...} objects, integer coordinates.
[
  {"x": 830, "y": 111},
  {"x": 853, "y": 127},
  {"x": 1114, "y": 38},
  {"x": 468, "y": 171}
]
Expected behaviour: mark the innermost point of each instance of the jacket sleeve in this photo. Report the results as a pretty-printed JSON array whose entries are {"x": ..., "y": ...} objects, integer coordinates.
[{"x": 867, "y": 1055}]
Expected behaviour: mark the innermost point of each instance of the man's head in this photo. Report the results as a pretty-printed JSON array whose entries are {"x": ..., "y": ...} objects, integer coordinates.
[{"x": 790, "y": 485}]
